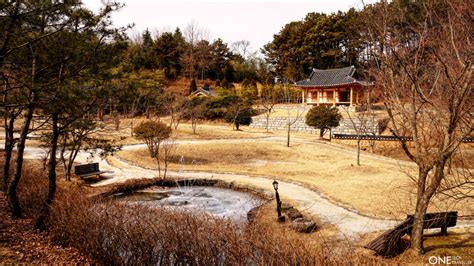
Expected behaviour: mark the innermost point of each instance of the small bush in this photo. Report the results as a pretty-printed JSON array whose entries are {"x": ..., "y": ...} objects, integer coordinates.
[
  {"x": 323, "y": 117},
  {"x": 153, "y": 133}
]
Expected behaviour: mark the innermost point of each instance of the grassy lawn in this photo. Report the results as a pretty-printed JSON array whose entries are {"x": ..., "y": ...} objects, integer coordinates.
[
  {"x": 376, "y": 188},
  {"x": 204, "y": 131}
]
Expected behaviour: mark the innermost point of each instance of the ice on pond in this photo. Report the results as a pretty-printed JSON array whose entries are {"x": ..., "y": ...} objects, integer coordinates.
[{"x": 223, "y": 203}]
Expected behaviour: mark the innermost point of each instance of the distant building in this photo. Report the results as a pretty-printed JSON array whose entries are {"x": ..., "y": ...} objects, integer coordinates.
[
  {"x": 204, "y": 92},
  {"x": 333, "y": 87}
]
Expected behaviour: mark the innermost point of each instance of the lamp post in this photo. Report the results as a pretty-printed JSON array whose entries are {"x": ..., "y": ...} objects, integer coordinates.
[{"x": 281, "y": 218}]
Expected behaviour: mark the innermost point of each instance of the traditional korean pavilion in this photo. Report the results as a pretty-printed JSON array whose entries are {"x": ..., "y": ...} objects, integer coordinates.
[{"x": 333, "y": 87}]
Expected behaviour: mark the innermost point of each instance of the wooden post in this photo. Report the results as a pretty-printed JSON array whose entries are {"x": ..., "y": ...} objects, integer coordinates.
[
  {"x": 368, "y": 98},
  {"x": 334, "y": 97},
  {"x": 351, "y": 97},
  {"x": 320, "y": 96},
  {"x": 303, "y": 98},
  {"x": 444, "y": 230}
]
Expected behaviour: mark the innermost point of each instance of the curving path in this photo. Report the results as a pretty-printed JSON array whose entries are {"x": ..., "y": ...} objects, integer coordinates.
[{"x": 349, "y": 223}]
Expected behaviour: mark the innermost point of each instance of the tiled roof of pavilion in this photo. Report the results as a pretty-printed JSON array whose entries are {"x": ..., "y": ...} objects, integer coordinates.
[{"x": 331, "y": 77}]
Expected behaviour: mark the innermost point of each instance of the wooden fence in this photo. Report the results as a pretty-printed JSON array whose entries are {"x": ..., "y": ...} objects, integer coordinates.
[{"x": 383, "y": 137}]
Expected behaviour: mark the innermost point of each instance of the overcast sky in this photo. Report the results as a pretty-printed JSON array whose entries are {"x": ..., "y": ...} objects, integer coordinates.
[{"x": 230, "y": 20}]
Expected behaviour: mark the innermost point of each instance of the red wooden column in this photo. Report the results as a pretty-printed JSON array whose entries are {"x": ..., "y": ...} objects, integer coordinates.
[{"x": 351, "y": 97}]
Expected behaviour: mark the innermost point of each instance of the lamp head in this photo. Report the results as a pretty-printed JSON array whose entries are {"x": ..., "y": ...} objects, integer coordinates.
[{"x": 275, "y": 185}]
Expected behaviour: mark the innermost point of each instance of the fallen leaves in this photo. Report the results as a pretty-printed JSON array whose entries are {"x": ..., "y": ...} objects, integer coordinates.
[{"x": 20, "y": 243}]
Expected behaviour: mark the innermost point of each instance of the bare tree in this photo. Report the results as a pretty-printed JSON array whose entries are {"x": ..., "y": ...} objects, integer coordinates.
[
  {"x": 193, "y": 35},
  {"x": 243, "y": 49},
  {"x": 154, "y": 134},
  {"x": 136, "y": 36},
  {"x": 82, "y": 135},
  {"x": 363, "y": 123},
  {"x": 268, "y": 102},
  {"x": 173, "y": 105},
  {"x": 425, "y": 73},
  {"x": 294, "y": 112},
  {"x": 194, "y": 111},
  {"x": 10, "y": 114},
  {"x": 203, "y": 57},
  {"x": 169, "y": 150}
]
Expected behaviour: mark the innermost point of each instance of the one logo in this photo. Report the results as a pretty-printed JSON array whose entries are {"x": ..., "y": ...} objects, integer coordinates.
[{"x": 447, "y": 260}]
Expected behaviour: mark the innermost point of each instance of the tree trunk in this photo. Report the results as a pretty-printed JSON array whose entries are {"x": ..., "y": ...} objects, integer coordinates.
[
  {"x": 147, "y": 108},
  {"x": 132, "y": 109},
  {"x": 176, "y": 123},
  {"x": 157, "y": 157},
  {"x": 9, "y": 144},
  {"x": 321, "y": 133},
  {"x": 172, "y": 118},
  {"x": 71, "y": 159},
  {"x": 267, "y": 118},
  {"x": 68, "y": 172},
  {"x": 166, "y": 159},
  {"x": 193, "y": 125},
  {"x": 416, "y": 237},
  {"x": 40, "y": 222},
  {"x": 13, "y": 185},
  {"x": 288, "y": 135},
  {"x": 358, "y": 151},
  {"x": 63, "y": 159}
]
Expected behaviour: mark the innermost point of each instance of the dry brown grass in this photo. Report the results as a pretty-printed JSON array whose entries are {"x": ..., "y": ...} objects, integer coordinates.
[
  {"x": 209, "y": 130},
  {"x": 119, "y": 233},
  {"x": 331, "y": 171},
  {"x": 459, "y": 242},
  {"x": 206, "y": 130},
  {"x": 32, "y": 188},
  {"x": 392, "y": 149}
]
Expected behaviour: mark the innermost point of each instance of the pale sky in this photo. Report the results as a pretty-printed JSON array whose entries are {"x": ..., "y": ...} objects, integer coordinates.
[{"x": 230, "y": 20}]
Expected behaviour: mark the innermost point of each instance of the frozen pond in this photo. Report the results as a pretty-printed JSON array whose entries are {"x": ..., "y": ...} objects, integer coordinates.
[{"x": 220, "y": 202}]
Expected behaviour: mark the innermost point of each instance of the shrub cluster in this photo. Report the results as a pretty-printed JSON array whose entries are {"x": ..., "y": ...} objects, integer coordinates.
[{"x": 121, "y": 233}]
